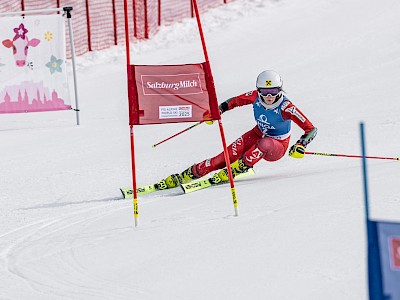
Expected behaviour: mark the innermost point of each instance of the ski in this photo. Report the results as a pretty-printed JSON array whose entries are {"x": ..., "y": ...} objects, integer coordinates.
[
  {"x": 203, "y": 184},
  {"x": 187, "y": 188},
  {"x": 142, "y": 190},
  {"x": 196, "y": 186}
]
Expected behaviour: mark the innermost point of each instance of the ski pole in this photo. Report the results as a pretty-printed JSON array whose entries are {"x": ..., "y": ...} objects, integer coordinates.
[
  {"x": 352, "y": 156},
  {"x": 176, "y": 134}
]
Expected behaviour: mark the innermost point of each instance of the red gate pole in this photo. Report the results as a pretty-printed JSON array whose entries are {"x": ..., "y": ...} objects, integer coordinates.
[
  {"x": 22, "y": 7},
  {"x": 191, "y": 9},
  {"x": 221, "y": 128},
  {"x": 127, "y": 45},
  {"x": 132, "y": 139},
  {"x": 88, "y": 26},
  {"x": 159, "y": 12},
  {"x": 114, "y": 22},
  {"x": 146, "y": 21},
  {"x": 134, "y": 18}
]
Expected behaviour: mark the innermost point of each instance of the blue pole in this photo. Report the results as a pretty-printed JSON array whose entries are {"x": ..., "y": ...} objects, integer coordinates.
[
  {"x": 374, "y": 266},
  {"x": 364, "y": 163}
]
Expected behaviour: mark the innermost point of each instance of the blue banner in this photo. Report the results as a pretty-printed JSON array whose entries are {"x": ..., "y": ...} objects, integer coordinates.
[{"x": 384, "y": 260}]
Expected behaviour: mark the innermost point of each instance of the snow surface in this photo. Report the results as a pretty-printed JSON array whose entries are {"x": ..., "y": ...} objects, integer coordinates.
[{"x": 64, "y": 233}]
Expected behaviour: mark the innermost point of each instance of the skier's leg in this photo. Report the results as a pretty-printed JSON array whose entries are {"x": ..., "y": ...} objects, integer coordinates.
[
  {"x": 266, "y": 148},
  {"x": 235, "y": 150},
  {"x": 201, "y": 169}
]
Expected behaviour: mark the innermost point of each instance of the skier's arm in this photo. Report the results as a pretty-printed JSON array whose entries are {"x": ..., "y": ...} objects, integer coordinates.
[
  {"x": 290, "y": 111},
  {"x": 244, "y": 99}
]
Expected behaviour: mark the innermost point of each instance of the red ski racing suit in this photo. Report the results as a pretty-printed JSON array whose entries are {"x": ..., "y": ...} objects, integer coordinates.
[{"x": 268, "y": 140}]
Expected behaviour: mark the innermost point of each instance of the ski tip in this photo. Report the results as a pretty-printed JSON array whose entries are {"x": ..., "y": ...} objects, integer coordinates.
[
  {"x": 126, "y": 193},
  {"x": 123, "y": 192}
]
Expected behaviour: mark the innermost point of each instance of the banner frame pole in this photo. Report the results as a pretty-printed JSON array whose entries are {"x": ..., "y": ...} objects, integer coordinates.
[
  {"x": 67, "y": 10},
  {"x": 133, "y": 167},
  {"x": 203, "y": 41},
  {"x": 132, "y": 138},
  {"x": 221, "y": 129}
]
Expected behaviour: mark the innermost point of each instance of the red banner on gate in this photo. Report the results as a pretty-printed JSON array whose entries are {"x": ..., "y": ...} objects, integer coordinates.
[{"x": 171, "y": 93}]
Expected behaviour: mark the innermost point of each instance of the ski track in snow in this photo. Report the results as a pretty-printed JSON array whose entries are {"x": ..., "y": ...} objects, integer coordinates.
[
  {"x": 53, "y": 243},
  {"x": 300, "y": 233}
]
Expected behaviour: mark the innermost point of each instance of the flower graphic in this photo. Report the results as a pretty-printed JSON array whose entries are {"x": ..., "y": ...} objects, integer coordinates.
[
  {"x": 54, "y": 64},
  {"x": 48, "y": 36},
  {"x": 20, "y": 31}
]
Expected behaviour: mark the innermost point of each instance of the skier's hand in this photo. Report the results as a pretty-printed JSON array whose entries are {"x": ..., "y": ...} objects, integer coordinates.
[
  {"x": 223, "y": 107},
  {"x": 206, "y": 115},
  {"x": 297, "y": 151}
]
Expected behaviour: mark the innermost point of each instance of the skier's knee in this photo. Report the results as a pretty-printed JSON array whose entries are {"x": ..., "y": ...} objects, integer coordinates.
[
  {"x": 265, "y": 145},
  {"x": 272, "y": 150}
]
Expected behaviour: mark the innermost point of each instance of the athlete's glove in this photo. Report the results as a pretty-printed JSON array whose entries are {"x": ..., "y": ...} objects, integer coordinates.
[
  {"x": 223, "y": 107},
  {"x": 297, "y": 151}
]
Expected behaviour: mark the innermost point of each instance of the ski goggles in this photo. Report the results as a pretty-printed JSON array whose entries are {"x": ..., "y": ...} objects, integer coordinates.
[{"x": 269, "y": 91}]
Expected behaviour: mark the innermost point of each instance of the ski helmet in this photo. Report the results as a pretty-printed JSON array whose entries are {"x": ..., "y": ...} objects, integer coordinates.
[{"x": 269, "y": 83}]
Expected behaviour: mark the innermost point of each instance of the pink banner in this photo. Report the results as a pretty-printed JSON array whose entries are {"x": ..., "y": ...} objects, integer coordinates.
[
  {"x": 171, "y": 94},
  {"x": 33, "y": 70}
]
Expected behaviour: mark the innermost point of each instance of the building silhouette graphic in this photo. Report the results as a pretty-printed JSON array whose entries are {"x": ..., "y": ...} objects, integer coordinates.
[{"x": 26, "y": 100}]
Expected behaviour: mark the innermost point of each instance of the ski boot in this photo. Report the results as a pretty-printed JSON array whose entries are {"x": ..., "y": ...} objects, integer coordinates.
[
  {"x": 175, "y": 180},
  {"x": 237, "y": 167},
  {"x": 216, "y": 179}
]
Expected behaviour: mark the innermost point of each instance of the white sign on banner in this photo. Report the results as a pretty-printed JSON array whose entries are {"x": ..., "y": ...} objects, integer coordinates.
[{"x": 33, "y": 70}]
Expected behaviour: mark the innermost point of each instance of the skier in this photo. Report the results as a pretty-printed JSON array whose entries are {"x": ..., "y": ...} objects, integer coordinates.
[{"x": 269, "y": 139}]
